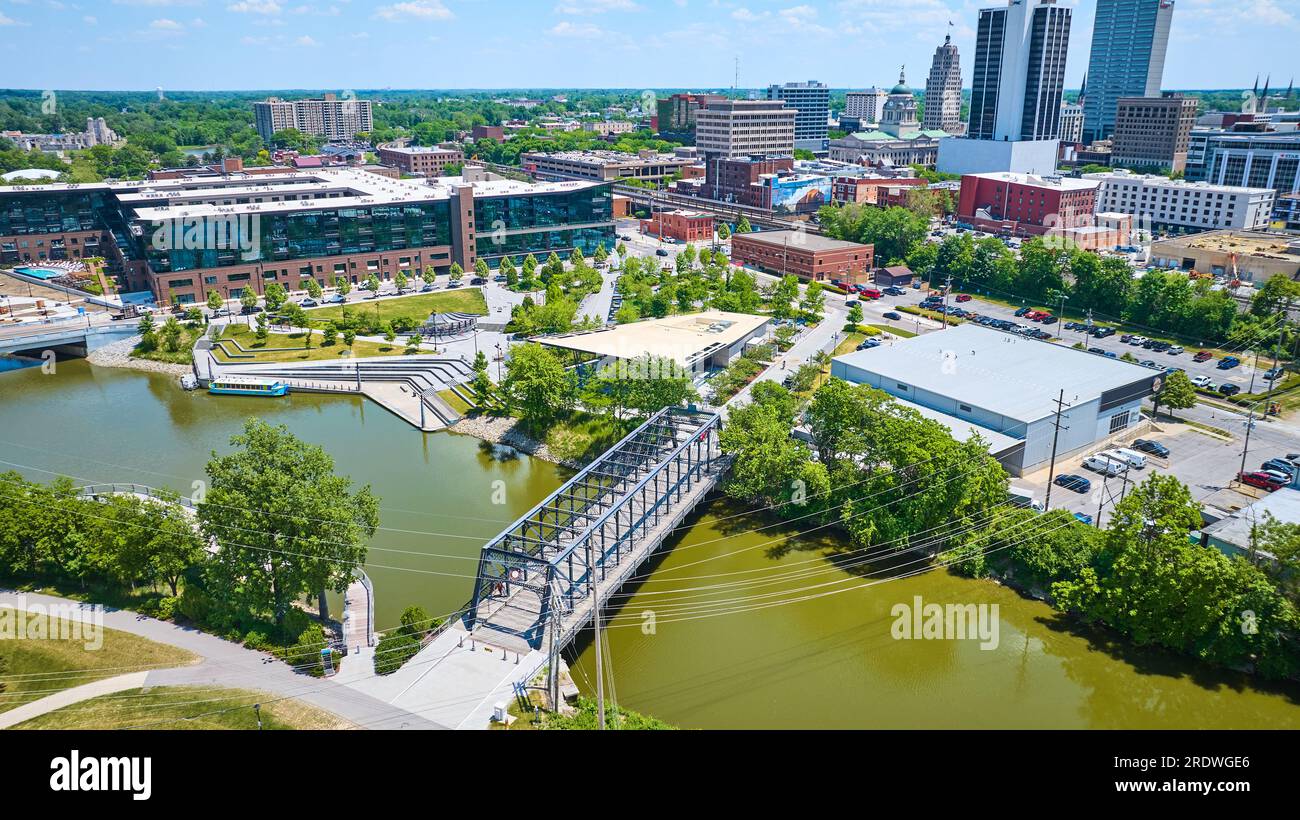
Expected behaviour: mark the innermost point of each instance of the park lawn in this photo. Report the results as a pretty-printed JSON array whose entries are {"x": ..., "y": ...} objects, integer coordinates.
[
  {"x": 455, "y": 402},
  {"x": 415, "y": 307},
  {"x": 187, "y": 707},
  {"x": 316, "y": 353},
  {"x": 37, "y": 668},
  {"x": 897, "y": 331}
]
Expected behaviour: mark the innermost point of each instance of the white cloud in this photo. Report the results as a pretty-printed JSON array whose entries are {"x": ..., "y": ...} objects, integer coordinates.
[
  {"x": 580, "y": 30},
  {"x": 417, "y": 9},
  {"x": 5, "y": 20},
  {"x": 582, "y": 7},
  {"x": 267, "y": 7},
  {"x": 89, "y": 20},
  {"x": 306, "y": 42},
  {"x": 155, "y": 2},
  {"x": 165, "y": 25}
]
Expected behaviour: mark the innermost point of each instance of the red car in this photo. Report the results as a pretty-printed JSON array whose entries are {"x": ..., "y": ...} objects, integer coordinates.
[
  {"x": 1203, "y": 356},
  {"x": 1263, "y": 481},
  {"x": 963, "y": 297},
  {"x": 871, "y": 293}
]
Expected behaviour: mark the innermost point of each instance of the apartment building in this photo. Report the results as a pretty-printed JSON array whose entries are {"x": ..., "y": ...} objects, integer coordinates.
[
  {"x": 329, "y": 117},
  {"x": 730, "y": 128},
  {"x": 421, "y": 160},
  {"x": 812, "y": 102},
  {"x": 1179, "y": 206},
  {"x": 865, "y": 106},
  {"x": 606, "y": 166}
]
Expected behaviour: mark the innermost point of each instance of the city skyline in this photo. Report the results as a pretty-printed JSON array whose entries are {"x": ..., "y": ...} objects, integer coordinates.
[{"x": 470, "y": 44}]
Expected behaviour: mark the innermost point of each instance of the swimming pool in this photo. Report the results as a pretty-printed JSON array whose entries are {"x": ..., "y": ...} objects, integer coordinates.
[{"x": 40, "y": 273}]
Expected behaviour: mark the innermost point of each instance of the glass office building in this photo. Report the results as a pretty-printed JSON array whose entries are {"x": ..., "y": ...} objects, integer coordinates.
[
  {"x": 542, "y": 223},
  {"x": 1129, "y": 40}
]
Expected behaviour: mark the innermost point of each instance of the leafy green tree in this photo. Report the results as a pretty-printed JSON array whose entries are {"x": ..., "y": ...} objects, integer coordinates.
[
  {"x": 349, "y": 338},
  {"x": 814, "y": 299},
  {"x": 537, "y": 386},
  {"x": 1177, "y": 393},
  {"x": 481, "y": 269},
  {"x": 456, "y": 272},
  {"x": 313, "y": 288},
  {"x": 262, "y": 331},
  {"x": 214, "y": 300},
  {"x": 401, "y": 281},
  {"x": 342, "y": 286},
  {"x": 724, "y": 232},
  {"x": 275, "y": 296},
  {"x": 286, "y": 525},
  {"x": 413, "y": 343},
  {"x": 248, "y": 298},
  {"x": 854, "y": 318},
  {"x": 743, "y": 226},
  {"x": 145, "y": 327},
  {"x": 372, "y": 283}
]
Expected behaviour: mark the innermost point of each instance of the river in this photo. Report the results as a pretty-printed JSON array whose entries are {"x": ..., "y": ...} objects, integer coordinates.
[{"x": 693, "y": 645}]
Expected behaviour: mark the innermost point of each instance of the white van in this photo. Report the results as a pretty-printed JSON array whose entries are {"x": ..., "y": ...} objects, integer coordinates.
[
  {"x": 1021, "y": 497},
  {"x": 1100, "y": 463},
  {"x": 1135, "y": 459}
]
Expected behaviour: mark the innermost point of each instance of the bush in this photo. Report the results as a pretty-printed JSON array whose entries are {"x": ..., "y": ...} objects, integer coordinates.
[
  {"x": 393, "y": 651},
  {"x": 415, "y": 621}
]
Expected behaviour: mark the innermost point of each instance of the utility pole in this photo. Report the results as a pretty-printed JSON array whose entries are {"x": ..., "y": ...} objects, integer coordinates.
[
  {"x": 1101, "y": 498},
  {"x": 946, "y": 289},
  {"x": 1087, "y": 330},
  {"x": 595, "y": 617},
  {"x": 1056, "y": 432}
]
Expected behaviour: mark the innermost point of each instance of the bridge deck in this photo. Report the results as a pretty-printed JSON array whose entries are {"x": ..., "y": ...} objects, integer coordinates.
[{"x": 612, "y": 516}]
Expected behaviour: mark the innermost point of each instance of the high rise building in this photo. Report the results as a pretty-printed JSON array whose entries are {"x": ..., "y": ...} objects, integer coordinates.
[
  {"x": 1129, "y": 39},
  {"x": 865, "y": 106},
  {"x": 328, "y": 117},
  {"x": 943, "y": 90},
  {"x": 676, "y": 114},
  {"x": 812, "y": 101},
  {"x": 1019, "y": 72},
  {"x": 1153, "y": 132},
  {"x": 728, "y": 128},
  {"x": 1071, "y": 123}
]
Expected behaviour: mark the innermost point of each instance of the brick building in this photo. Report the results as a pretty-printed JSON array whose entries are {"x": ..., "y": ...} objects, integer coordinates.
[
  {"x": 1153, "y": 132},
  {"x": 421, "y": 160},
  {"x": 684, "y": 226},
  {"x": 806, "y": 255},
  {"x": 1025, "y": 204}
]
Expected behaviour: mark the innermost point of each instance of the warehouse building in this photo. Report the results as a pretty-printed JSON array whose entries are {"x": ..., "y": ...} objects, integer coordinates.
[
  {"x": 808, "y": 256},
  {"x": 1005, "y": 388}
]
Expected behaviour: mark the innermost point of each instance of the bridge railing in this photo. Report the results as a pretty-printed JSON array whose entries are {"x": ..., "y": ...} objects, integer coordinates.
[{"x": 92, "y": 490}]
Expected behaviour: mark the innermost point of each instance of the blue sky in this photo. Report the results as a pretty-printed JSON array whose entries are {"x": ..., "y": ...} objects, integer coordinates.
[{"x": 345, "y": 44}]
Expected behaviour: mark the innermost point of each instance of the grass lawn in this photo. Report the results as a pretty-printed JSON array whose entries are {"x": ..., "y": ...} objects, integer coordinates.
[
  {"x": 316, "y": 353},
  {"x": 183, "y": 353},
  {"x": 456, "y": 402},
  {"x": 36, "y": 668},
  {"x": 848, "y": 344},
  {"x": 187, "y": 707},
  {"x": 897, "y": 331},
  {"x": 583, "y": 435},
  {"x": 415, "y": 307}
]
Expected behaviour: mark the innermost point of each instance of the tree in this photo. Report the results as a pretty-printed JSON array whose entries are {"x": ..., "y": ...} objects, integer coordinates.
[
  {"x": 145, "y": 327},
  {"x": 171, "y": 334},
  {"x": 456, "y": 272},
  {"x": 601, "y": 254},
  {"x": 537, "y": 386},
  {"x": 430, "y": 273},
  {"x": 854, "y": 318},
  {"x": 248, "y": 298},
  {"x": 372, "y": 283},
  {"x": 413, "y": 343},
  {"x": 743, "y": 226},
  {"x": 285, "y": 524},
  {"x": 1177, "y": 393},
  {"x": 401, "y": 281},
  {"x": 275, "y": 296},
  {"x": 263, "y": 329},
  {"x": 214, "y": 300},
  {"x": 390, "y": 335},
  {"x": 507, "y": 269},
  {"x": 349, "y": 338},
  {"x": 481, "y": 385},
  {"x": 481, "y": 269},
  {"x": 329, "y": 335},
  {"x": 724, "y": 232},
  {"x": 342, "y": 286}
]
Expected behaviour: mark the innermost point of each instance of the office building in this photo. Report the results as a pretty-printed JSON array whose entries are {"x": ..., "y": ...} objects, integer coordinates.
[
  {"x": 186, "y": 236},
  {"x": 606, "y": 166},
  {"x": 811, "y": 257},
  {"x": 865, "y": 106},
  {"x": 1025, "y": 204},
  {"x": 329, "y": 117},
  {"x": 1129, "y": 39},
  {"x": 730, "y": 128},
  {"x": 1269, "y": 159},
  {"x": 683, "y": 226},
  {"x": 1153, "y": 132},
  {"x": 812, "y": 101},
  {"x": 1004, "y": 388},
  {"x": 1071, "y": 123},
  {"x": 943, "y": 90},
  {"x": 675, "y": 116},
  {"x": 1177, "y": 206},
  {"x": 1016, "y": 91},
  {"x": 420, "y": 160},
  {"x": 607, "y": 127}
]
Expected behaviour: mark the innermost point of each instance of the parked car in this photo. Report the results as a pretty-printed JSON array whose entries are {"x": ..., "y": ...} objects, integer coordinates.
[
  {"x": 427, "y": 287},
  {"x": 478, "y": 280},
  {"x": 1227, "y": 389},
  {"x": 1202, "y": 381},
  {"x": 1072, "y": 481},
  {"x": 455, "y": 283},
  {"x": 1103, "y": 332},
  {"x": 308, "y": 302},
  {"x": 1272, "y": 373},
  {"x": 248, "y": 310},
  {"x": 660, "y": 252},
  {"x": 1155, "y": 448},
  {"x": 1281, "y": 465},
  {"x": 1136, "y": 340},
  {"x": 1098, "y": 463},
  {"x": 893, "y": 314},
  {"x": 1174, "y": 350},
  {"x": 1280, "y": 475},
  {"x": 868, "y": 344},
  {"x": 893, "y": 291},
  {"x": 1228, "y": 362},
  {"x": 1083, "y": 518},
  {"x": 1022, "y": 311},
  {"x": 963, "y": 297},
  {"x": 1263, "y": 481},
  {"x": 1203, "y": 356}
]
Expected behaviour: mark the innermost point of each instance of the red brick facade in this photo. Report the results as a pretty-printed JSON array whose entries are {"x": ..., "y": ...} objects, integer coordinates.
[
  {"x": 684, "y": 226},
  {"x": 1023, "y": 204},
  {"x": 809, "y": 257}
]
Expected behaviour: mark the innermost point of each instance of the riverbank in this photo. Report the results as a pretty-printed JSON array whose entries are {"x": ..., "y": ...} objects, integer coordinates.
[
  {"x": 505, "y": 431},
  {"x": 118, "y": 354}
]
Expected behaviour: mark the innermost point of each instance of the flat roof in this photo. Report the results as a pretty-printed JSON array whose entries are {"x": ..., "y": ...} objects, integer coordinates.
[
  {"x": 963, "y": 430},
  {"x": 798, "y": 239},
  {"x": 999, "y": 372},
  {"x": 684, "y": 339},
  {"x": 1250, "y": 243},
  {"x": 1284, "y": 505},
  {"x": 1041, "y": 180},
  {"x": 608, "y": 158}
]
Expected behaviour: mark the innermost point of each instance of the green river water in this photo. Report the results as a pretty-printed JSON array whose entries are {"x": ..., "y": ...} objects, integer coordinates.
[{"x": 731, "y": 628}]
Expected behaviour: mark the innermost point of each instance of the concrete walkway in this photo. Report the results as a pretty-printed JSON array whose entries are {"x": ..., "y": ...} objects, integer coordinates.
[
  {"x": 231, "y": 665},
  {"x": 107, "y": 686}
]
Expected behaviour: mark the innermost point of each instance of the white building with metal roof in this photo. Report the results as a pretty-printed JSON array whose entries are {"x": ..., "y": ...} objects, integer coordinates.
[{"x": 1006, "y": 387}]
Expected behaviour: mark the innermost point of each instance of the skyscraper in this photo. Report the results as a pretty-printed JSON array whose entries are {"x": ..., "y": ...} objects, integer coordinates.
[
  {"x": 812, "y": 101},
  {"x": 1129, "y": 39},
  {"x": 1019, "y": 71},
  {"x": 943, "y": 90}
]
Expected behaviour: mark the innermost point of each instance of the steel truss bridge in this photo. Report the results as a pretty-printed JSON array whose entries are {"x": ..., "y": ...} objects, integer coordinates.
[{"x": 535, "y": 580}]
